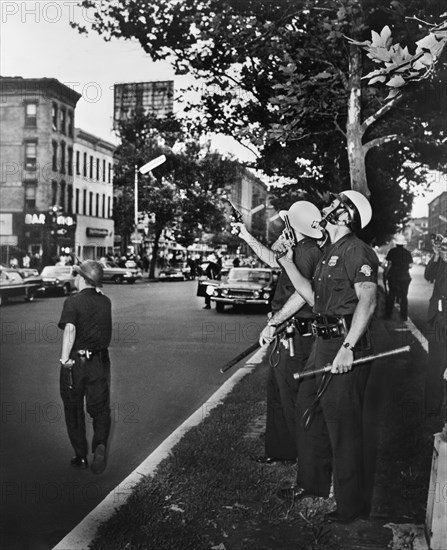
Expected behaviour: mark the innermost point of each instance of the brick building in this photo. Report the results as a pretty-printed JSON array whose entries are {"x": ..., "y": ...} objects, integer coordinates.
[
  {"x": 437, "y": 215},
  {"x": 40, "y": 193}
]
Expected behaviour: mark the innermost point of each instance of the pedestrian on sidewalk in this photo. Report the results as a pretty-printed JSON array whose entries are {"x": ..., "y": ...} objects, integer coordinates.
[
  {"x": 85, "y": 366},
  {"x": 436, "y": 378},
  {"x": 397, "y": 273},
  {"x": 281, "y": 435},
  {"x": 343, "y": 296},
  {"x": 212, "y": 272}
]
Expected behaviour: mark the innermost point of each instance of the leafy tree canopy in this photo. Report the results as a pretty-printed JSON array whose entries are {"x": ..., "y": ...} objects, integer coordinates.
[{"x": 276, "y": 78}]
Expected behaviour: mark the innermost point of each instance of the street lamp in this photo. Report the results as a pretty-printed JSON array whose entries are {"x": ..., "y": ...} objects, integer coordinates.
[{"x": 143, "y": 170}]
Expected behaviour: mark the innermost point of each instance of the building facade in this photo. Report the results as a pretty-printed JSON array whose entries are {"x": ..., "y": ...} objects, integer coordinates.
[
  {"x": 41, "y": 190},
  {"x": 93, "y": 195},
  {"x": 437, "y": 215}
]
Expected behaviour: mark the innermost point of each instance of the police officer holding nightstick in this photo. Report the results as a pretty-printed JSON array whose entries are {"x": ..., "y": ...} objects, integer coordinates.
[
  {"x": 288, "y": 352},
  {"x": 343, "y": 296},
  {"x": 85, "y": 366}
]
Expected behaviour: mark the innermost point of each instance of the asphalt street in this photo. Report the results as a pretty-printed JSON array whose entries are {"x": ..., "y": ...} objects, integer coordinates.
[{"x": 165, "y": 352}]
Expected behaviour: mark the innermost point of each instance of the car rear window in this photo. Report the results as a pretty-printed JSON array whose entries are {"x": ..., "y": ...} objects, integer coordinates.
[
  {"x": 249, "y": 276},
  {"x": 55, "y": 271}
]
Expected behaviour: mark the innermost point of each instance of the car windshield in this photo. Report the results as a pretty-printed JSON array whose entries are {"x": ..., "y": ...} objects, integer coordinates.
[
  {"x": 55, "y": 271},
  {"x": 249, "y": 276}
]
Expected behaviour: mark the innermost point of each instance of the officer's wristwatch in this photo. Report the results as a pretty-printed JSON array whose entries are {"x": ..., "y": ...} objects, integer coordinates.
[{"x": 347, "y": 345}]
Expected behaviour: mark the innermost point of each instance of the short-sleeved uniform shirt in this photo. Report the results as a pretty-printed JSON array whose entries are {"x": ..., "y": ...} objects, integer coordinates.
[
  {"x": 91, "y": 313},
  {"x": 306, "y": 256},
  {"x": 400, "y": 259},
  {"x": 345, "y": 262}
]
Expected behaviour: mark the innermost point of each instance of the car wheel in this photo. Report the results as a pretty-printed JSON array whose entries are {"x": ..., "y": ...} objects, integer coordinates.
[
  {"x": 118, "y": 279},
  {"x": 220, "y": 307},
  {"x": 66, "y": 289}
]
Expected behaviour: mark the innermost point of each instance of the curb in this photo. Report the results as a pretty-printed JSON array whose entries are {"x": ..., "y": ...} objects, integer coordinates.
[{"x": 82, "y": 535}]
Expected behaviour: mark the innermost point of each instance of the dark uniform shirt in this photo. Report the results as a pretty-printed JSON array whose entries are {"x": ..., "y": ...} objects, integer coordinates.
[
  {"x": 306, "y": 256},
  {"x": 346, "y": 262},
  {"x": 91, "y": 313},
  {"x": 400, "y": 259}
]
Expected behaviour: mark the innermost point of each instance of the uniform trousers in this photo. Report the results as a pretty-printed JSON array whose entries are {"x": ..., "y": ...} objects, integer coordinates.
[
  {"x": 91, "y": 382},
  {"x": 333, "y": 443},
  {"x": 435, "y": 385},
  {"x": 282, "y": 388},
  {"x": 398, "y": 289}
]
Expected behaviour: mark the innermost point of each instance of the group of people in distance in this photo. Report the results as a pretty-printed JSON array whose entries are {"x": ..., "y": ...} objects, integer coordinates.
[{"x": 326, "y": 297}]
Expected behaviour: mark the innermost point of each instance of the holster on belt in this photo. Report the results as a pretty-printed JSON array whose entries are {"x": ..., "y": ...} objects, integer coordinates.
[
  {"x": 325, "y": 326},
  {"x": 303, "y": 326},
  {"x": 88, "y": 355}
]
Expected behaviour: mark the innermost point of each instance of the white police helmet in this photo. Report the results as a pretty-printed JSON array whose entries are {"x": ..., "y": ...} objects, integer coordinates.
[{"x": 304, "y": 218}]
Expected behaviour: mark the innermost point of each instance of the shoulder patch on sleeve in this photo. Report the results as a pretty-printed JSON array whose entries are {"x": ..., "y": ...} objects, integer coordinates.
[{"x": 366, "y": 270}]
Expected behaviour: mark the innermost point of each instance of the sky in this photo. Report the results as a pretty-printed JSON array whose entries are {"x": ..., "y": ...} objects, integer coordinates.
[{"x": 36, "y": 41}]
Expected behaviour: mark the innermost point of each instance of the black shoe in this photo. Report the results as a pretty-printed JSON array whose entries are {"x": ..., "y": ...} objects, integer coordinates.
[
  {"x": 294, "y": 494},
  {"x": 272, "y": 460},
  {"x": 79, "y": 462},
  {"x": 336, "y": 517},
  {"x": 99, "y": 461},
  {"x": 206, "y": 307}
]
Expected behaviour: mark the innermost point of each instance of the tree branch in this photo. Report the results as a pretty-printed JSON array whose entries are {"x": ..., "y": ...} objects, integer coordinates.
[
  {"x": 339, "y": 128},
  {"x": 380, "y": 141},
  {"x": 380, "y": 113}
]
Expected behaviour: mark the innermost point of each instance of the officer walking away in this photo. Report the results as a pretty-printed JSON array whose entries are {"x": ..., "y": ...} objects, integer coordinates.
[
  {"x": 289, "y": 351},
  {"x": 397, "y": 273},
  {"x": 331, "y": 438},
  {"x": 85, "y": 366},
  {"x": 436, "y": 378}
]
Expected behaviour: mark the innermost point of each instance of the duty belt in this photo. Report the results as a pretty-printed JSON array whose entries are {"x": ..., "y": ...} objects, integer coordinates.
[
  {"x": 89, "y": 354},
  {"x": 329, "y": 327},
  {"x": 303, "y": 326}
]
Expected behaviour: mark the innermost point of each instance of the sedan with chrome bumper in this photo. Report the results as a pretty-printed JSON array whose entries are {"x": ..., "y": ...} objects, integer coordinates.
[{"x": 245, "y": 286}]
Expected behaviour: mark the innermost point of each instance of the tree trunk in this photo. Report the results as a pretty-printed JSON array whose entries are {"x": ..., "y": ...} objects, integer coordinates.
[
  {"x": 154, "y": 254},
  {"x": 354, "y": 131}
]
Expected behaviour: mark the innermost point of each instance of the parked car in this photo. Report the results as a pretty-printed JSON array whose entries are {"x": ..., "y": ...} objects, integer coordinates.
[
  {"x": 172, "y": 273},
  {"x": 245, "y": 285},
  {"x": 115, "y": 274},
  {"x": 59, "y": 278},
  {"x": 12, "y": 284}
]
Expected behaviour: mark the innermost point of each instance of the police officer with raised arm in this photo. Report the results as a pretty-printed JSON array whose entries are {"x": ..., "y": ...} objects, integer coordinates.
[
  {"x": 343, "y": 295},
  {"x": 288, "y": 352}
]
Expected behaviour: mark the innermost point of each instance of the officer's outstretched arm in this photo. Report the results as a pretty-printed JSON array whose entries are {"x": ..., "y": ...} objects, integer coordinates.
[
  {"x": 302, "y": 285},
  {"x": 262, "y": 252},
  {"x": 367, "y": 295}
]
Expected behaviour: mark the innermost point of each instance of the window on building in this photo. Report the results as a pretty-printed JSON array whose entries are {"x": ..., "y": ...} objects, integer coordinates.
[
  {"x": 97, "y": 205},
  {"x": 76, "y": 201},
  {"x": 63, "y": 187},
  {"x": 54, "y": 158},
  {"x": 70, "y": 161},
  {"x": 97, "y": 169},
  {"x": 104, "y": 170},
  {"x": 63, "y": 125},
  {"x": 30, "y": 196},
  {"x": 70, "y": 123},
  {"x": 84, "y": 202},
  {"x": 54, "y": 193},
  {"x": 109, "y": 207},
  {"x": 84, "y": 167},
  {"x": 30, "y": 155},
  {"x": 31, "y": 115},
  {"x": 63, "y": 159},
  {"x": 91, "y": 167},
  {"x": 78, "y": 163},
  {"x": 54, "y": 116},
  {"x": 70, "y": 199},
  {"x": 109, "y": 176},
  {"x": 103, "y": 206},
  {"x": 90, "y": 205}
]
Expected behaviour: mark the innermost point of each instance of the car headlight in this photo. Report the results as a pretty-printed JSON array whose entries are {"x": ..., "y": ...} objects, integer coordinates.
[
  {"x": 57, "y": 281},
  {"x": 256, "y": 294},
  {"x": 128, "y": 274},
  {"x": 224, "y": 292},
  {"x": 266, "y": 295}
]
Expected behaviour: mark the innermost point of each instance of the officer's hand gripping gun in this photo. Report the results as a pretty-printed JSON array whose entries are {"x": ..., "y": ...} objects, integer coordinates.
[
  {"x": 289, "y": 236},
  {"x": 235, "y": 217}
]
